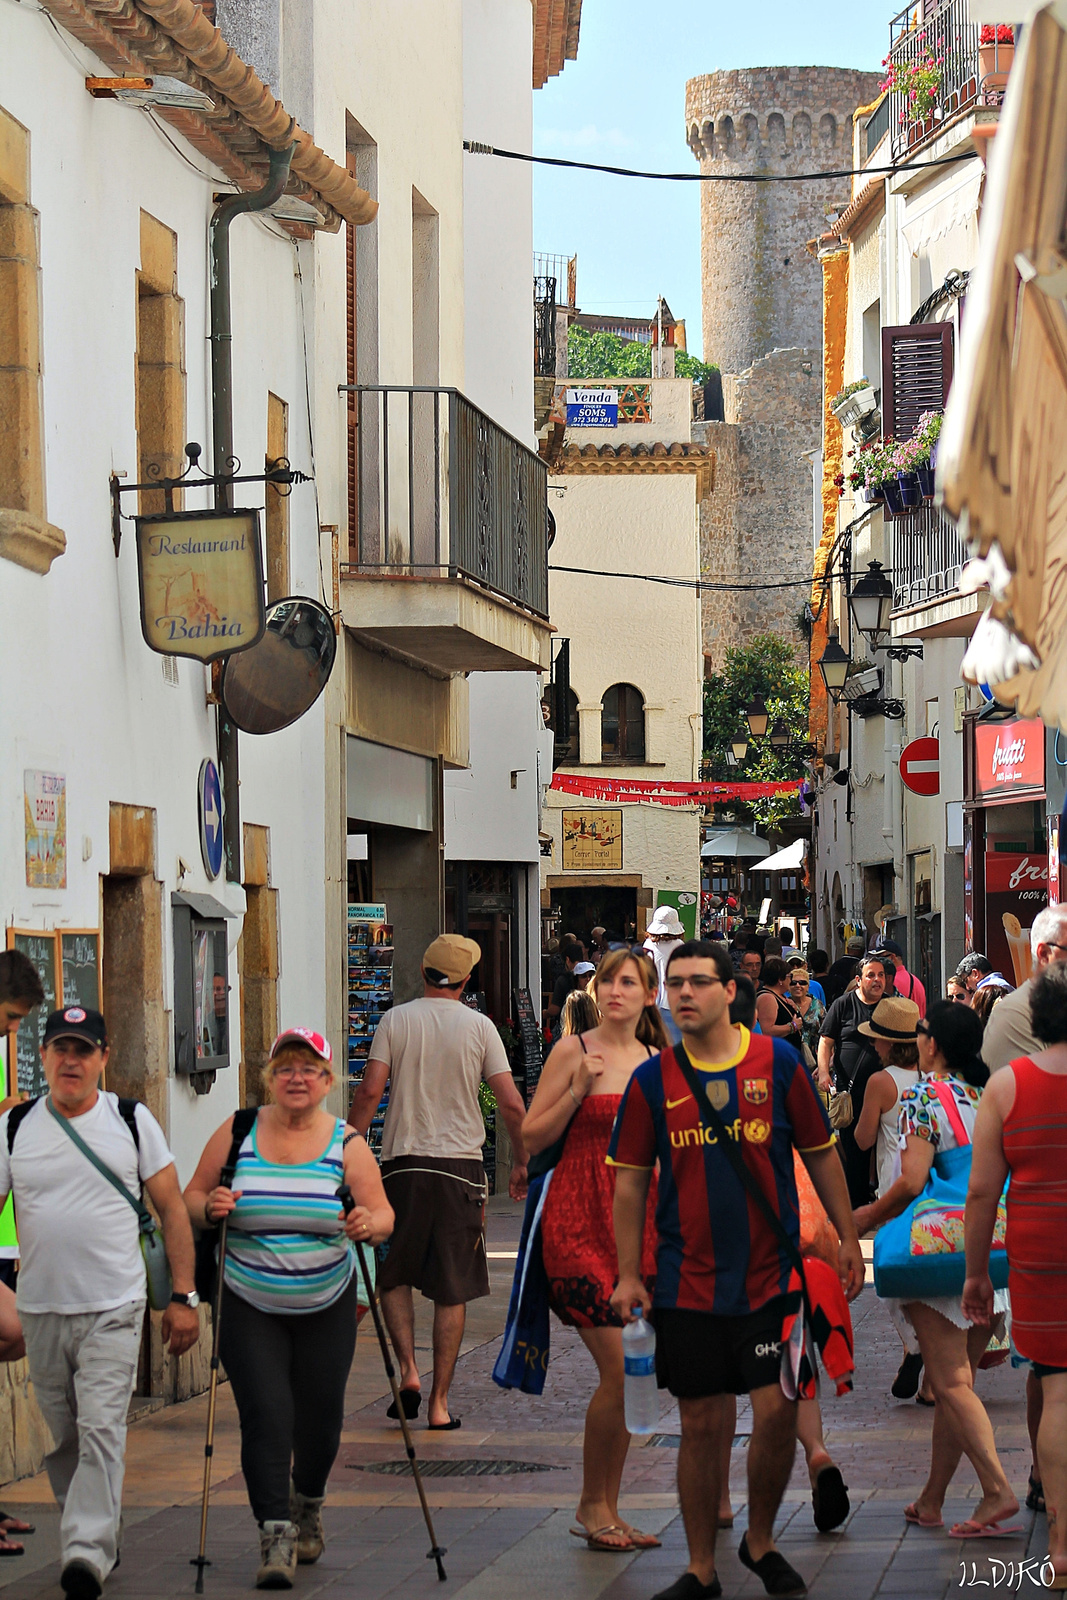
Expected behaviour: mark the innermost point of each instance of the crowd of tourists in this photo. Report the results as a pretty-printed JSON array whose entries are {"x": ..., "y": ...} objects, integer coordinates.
[{"x": 713, "y": 1130}]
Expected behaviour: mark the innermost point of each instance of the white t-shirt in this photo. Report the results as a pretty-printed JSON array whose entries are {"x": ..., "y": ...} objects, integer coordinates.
[
  {"x": 79, "y": 1237},
  {"x": 439, "y": 1052}
]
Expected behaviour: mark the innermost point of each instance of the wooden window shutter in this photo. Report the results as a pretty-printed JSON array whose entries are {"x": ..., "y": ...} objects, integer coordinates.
[
  {"x": 916, "y": 374},
  {"x": 350, "y": 369}
]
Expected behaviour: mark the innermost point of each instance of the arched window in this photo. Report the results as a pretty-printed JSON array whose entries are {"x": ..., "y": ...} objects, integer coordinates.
[{"x": 622, "y": 724}]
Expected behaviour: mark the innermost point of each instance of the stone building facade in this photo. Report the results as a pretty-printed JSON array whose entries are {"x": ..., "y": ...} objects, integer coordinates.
[{"x": 762, "y": 311}]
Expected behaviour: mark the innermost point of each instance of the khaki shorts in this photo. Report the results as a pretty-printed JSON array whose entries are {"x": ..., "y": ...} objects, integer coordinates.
[{"x": 438, "y": 1243}]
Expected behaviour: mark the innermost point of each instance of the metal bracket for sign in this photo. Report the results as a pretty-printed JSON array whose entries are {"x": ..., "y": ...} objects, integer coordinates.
[{"x": 281, "y": 475}]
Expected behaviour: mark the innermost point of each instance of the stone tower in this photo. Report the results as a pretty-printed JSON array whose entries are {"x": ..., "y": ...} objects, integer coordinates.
[
  {"x": 762, "y": 290},
  {"x": 762, "y": 302}
]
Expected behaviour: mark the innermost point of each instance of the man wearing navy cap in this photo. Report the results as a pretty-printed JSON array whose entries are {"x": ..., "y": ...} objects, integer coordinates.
[{"x": 81, "y": 1288}]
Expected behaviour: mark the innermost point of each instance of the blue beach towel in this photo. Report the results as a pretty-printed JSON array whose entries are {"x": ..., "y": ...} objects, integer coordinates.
[{"x": 523, "y": 1359}]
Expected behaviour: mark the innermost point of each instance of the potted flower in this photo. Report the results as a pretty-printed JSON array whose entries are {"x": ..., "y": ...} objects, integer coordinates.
[
  {"x": 996, "y": 51},
  {"x": 917, "y": 80},
  {"x": 905, "y": 457},
  {"x": 926, "y": 436},
  {"x": 854, "y": 401},
  {"x": 874, "y": 471}
]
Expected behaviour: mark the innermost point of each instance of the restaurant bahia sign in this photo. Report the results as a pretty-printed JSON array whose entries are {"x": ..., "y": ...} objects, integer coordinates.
[{"x": 201, "y": 582}]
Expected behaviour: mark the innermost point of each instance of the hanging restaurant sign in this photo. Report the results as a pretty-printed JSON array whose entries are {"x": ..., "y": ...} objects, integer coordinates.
[
  {"x": 201, "y": 582},
  {"x": 667, "y": 792}
]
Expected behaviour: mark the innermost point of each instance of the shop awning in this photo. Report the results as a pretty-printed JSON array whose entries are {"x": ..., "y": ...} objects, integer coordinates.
[
  {"x": 791, "y": 859},
  {"x": 735, "y": 842}
]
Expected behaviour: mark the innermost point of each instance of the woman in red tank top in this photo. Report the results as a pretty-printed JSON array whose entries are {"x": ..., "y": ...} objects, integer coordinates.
[
  {"x": 579, "y": 1093},
  {"x": 1021, "y": 1128}
]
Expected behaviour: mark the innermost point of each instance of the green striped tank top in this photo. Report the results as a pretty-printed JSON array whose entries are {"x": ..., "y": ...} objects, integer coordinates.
[{"x": 286, "y": 1248}]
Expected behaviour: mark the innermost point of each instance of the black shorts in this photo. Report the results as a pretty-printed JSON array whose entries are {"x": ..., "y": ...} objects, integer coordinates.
[
  {"x": 1039, "y": 1370},
  {"x": 699, "y": 1354},
  {"x": 438, "y": 1243}
]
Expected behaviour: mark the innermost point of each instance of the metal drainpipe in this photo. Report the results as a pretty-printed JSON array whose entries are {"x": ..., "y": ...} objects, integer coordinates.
[{"x": 228, "y": 207}]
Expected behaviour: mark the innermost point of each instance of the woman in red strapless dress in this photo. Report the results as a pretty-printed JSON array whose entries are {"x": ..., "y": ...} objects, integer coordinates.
[
  {"x": 578, "y": 1094},
  {"x": 1021, "y": 1128}
]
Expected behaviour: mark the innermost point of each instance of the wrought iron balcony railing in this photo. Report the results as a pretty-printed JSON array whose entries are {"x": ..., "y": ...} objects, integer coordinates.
[
  {"x": 970, "y": 73},
  {"x": 928, "y": 555},
  {"x": 442, "y": 490}
]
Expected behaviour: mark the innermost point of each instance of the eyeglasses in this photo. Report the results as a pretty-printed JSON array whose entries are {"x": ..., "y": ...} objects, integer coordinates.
[
  {"x": 308, "y": 1073},
  {"x": 921, "y": 1028},
  {"x": 697, "y": 983}
]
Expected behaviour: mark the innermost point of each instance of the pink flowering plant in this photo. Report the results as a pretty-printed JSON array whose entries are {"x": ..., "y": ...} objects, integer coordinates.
[
  {"x": 907, "y": 455},
  {"x": 918, "y": 80},
  {"x": 873, "y": 465}
]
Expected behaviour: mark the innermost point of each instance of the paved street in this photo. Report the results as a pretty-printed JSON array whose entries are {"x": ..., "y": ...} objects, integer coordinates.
[{"x": 507, "y": 1533}]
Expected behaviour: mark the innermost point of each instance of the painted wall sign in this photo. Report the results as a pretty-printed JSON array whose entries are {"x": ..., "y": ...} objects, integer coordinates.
[
  {"x": 201, "y": 581},
  {"x": 209, "y": 801},
  {"x": 592, "y": 408},
  {"x": 45, "y": 808},
  {"x": 1016, "y": 889},
  {"x": 592, "y": 841},
  {"x": 1009, "y": 756}
]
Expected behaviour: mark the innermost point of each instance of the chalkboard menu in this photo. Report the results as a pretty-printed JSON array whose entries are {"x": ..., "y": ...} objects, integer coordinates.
[
  {"x": 68, "y": 963},
  {"x": 530, "y": 1038},
  {"x": 41, "y": 949}
]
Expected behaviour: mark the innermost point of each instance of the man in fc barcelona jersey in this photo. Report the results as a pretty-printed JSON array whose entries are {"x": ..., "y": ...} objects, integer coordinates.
[{"x": 722, "y": 1278}]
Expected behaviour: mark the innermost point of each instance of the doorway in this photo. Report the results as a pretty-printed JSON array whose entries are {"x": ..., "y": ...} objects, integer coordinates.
[{"x": 581, "y": 909}]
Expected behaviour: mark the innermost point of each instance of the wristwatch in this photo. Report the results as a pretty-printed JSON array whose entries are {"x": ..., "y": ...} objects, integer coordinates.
[{"x": 192, "y": 1300}]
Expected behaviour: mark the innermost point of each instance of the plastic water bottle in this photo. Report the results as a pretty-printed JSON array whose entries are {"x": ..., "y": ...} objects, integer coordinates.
[{"x": 639, "y": 1361}]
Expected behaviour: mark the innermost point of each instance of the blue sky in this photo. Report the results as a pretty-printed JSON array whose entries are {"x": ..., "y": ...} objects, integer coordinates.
[{"x": 623, "y": 102}]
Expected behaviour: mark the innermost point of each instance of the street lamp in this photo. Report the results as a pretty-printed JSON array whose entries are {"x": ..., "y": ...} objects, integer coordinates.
[
  {"x": 780, "y": 739},
  {"x": 739, "y": 745},
  {"x": 834, "y": 664},
  {"x": 756, "y": 715},
  {"x": 871, "y": 602}
]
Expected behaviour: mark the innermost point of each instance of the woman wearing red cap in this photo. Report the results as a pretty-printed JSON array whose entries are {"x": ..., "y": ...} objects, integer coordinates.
[{"x": 288, "y": 1330}]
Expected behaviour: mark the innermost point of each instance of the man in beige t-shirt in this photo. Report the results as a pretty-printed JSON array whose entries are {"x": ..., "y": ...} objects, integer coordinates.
[
  {"x": 435, "y": 1054},
  {"x": 1008, "y": 1033}
]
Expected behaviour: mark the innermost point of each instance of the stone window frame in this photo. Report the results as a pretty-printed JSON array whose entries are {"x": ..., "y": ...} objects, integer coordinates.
[{"x": 27, "y": 538}]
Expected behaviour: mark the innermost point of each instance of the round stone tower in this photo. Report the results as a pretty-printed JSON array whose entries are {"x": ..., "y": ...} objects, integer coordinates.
[{"x": 762, "y": 290}]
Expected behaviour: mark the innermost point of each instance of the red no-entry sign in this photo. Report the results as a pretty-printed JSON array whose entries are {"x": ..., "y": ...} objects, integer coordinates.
[{"x": 920, "y": 767}]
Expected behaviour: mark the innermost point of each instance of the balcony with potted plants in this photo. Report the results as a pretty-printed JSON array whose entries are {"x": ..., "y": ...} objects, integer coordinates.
[{"x": 941, "y": 67}]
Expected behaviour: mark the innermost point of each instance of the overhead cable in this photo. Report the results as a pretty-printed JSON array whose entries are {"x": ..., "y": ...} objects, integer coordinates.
[{"x": 477, "y": 149}]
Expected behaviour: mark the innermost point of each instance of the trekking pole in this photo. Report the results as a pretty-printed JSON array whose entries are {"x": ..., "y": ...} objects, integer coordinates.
[
  {"x": 200, "y": 1561},
  {"x": 435, "y": 1553}
]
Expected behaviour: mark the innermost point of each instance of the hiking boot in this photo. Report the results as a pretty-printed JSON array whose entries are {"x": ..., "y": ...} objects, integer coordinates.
[
  {"x": 277, "y": 1548},
  {"x": 306, "y": 1512}
]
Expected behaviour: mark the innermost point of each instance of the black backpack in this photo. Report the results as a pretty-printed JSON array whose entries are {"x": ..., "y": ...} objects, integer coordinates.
[{"x": 206, "y": 1270}]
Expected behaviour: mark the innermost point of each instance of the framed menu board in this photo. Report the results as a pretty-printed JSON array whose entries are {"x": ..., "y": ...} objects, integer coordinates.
[{"x": 68, "y": 963}]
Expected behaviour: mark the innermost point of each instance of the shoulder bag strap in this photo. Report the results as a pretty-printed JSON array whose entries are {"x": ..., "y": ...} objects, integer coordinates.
[
  {"x": 243, "y": 1123},
  {"x": 711, "y": 1119},
  {"x": 951, "y": 1110},
  {"x": 144, "y": 1216},
  {"x": 14, "y": 1120}
]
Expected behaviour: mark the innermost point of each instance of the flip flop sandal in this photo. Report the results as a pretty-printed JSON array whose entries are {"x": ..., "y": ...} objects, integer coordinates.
[
  {"x": 11, "y": 1547},
  {"x": 984, "y": 1530},
  {"x": 411, "y": 1400},
  {"x": 726, "y": 1522},
  {"x": 9, "y": 1523},
  {"x": 829, "y": 1499},
  {"x": 911, "y": 1514},
  {"x": 645, "y": 1541},
  {"x": 445, "y": 1427},
  {"x": 1035, "y": 1497},
  {"x": 773, "y": 1570},
  {"x": 921, "y": 1400},
  {"x": 596, "y": 1539}
]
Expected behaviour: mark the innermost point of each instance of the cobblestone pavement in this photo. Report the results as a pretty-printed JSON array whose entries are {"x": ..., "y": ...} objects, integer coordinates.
[{"x": 507, "y": 1535}]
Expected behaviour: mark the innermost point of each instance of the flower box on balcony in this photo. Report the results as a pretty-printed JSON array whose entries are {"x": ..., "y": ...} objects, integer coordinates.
[{"x": 854, "y": 407}]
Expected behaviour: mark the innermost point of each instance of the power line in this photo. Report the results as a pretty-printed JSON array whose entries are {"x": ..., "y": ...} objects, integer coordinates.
[
  {"x": 708, "y": 584},
  {"x": 473, "y": 146}
]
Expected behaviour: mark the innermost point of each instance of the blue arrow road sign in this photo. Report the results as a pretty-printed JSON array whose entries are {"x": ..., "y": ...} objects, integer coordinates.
[{"x": 209, "y": 793}]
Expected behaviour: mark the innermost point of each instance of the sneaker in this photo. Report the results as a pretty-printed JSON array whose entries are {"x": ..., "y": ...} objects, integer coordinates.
[
  {"x": 277, "y": 1547},
  {"x": 80, "y": 1580},
  {"x": 306, "y": 1511},
  {"x": 906, "y": 1381}
]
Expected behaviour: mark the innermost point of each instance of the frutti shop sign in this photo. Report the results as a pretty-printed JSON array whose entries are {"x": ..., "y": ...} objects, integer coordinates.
[
  {"x": 201, "y": 582},
  {"x": 1009, "y": 756}
]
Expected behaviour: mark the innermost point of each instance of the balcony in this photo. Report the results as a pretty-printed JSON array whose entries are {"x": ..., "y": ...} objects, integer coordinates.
[
  {"x": 928, "y": 557},
  {"x": 973, "y": 75},
  {"x": 448, "y": 562}
]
